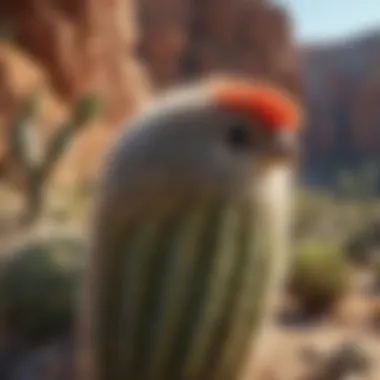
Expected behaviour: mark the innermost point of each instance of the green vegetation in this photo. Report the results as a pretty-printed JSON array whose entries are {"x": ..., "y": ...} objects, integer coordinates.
[
  {"x": 38, "y": 286},
  {"x": 333, "y": 233},
  {"x": 319, "y": 275},
  {"x": 36, "y": 171}
]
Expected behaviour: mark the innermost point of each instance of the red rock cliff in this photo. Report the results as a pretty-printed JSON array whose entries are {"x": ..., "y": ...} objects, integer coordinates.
[
  {"x": 181, "y": 38},
  {"x": 82, "y": 44},
  {"x": 343, "y": 91}
]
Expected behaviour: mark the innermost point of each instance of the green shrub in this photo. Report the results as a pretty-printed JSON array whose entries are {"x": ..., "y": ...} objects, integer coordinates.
[
  {"x": 38, "y": 286},
  {"x": 319, "y": 275}
]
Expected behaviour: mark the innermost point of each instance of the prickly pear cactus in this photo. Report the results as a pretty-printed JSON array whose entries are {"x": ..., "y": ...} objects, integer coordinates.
[{"x": 38, "y": 287}]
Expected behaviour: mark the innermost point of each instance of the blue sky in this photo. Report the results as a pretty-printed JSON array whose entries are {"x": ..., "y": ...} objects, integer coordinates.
[{"x": 329, "y": 19}]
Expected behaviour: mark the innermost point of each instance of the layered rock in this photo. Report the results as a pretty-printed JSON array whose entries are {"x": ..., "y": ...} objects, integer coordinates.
[
  {"x": 343, "y": 92},
  {"x": 83, "y": 45},
  {"x": 182, "y": 38}
]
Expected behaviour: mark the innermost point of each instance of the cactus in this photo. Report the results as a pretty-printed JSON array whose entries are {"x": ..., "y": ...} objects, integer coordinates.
[
  {"x": 319, "y": 275},
  {"x": 38, "y": 286},
  {"x": 85, "y": 110},
  {"x": 186, "y": 297},
  {"x": 36, "y": 171}
]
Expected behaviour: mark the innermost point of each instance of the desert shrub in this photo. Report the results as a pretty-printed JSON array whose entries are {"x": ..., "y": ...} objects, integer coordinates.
[{"x": 319, "y": 275}]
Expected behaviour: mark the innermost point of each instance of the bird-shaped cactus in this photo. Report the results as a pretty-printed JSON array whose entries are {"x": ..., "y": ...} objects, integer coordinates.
[{"x": 189, "y": 231}]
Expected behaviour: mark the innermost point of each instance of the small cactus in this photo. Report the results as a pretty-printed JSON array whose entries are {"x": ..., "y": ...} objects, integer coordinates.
[
  {"x": 23, "y": 142},
  {"x": 36, "y": 171},
  {"x": 38, "y": 287},
  {"x": 319, "y": 275},
  {"x": 85, "y": 110}
]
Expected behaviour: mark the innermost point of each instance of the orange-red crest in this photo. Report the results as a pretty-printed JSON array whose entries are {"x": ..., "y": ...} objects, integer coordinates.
[{"x": 266, "y": 102}]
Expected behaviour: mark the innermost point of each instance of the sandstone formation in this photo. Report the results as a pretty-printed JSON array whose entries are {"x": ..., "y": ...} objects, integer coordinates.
[
  {"x": 83, "y": 45},
  {"x": 185, "y": 38},
  {"x": 342, "y": 82}
]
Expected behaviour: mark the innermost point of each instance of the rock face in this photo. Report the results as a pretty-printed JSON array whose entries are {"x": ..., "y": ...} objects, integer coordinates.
[
  {"x": 185, "y": 38},
  {"x": 83, "y": 45},
  {"x": 343, "y": 93}
]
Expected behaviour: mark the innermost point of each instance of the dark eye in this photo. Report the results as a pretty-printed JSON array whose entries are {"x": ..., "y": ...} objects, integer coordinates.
[{"x": 238, "y": 136}]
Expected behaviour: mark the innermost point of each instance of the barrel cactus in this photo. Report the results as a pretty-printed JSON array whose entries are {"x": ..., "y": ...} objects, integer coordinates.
[
  {"x": 38, "y": 286},
  {"x": 319, "y": 275}
]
